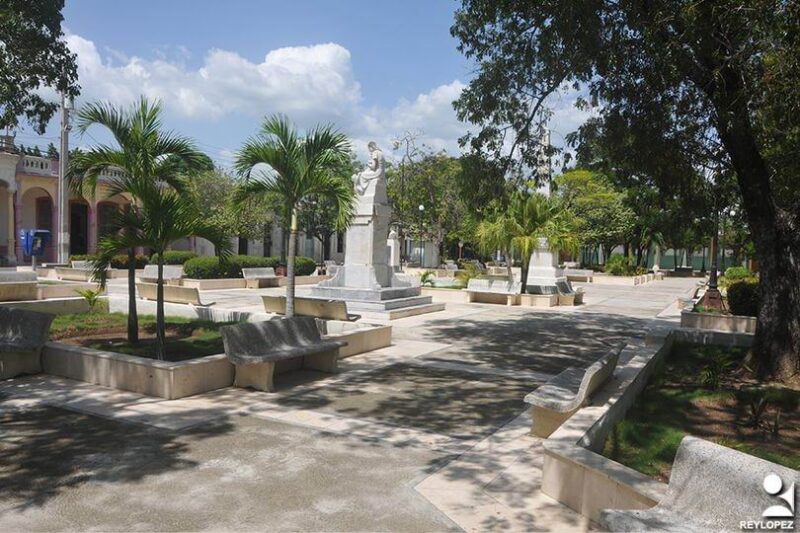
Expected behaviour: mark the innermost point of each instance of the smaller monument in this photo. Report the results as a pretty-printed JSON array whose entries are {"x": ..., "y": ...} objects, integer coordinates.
[{"x": 366, "y": 280}]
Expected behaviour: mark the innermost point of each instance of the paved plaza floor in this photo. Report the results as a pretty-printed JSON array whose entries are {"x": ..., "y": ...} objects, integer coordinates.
[{"x": 429, "y": 434}]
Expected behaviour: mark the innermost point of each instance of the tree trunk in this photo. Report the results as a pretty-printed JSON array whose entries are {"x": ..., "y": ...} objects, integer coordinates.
[
  {"x": 326, "y": 248},
  {"x": 133, "y": 316},
  {"x": 290, "y": 266},
  {"x": 777, "y": 343},
  {"x": 160, "y": 326}
]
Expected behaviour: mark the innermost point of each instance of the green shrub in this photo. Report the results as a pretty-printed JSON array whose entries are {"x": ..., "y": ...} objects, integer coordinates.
[
  {"x": 736, "y": 273},
  {"x": 304, "y": 266},
  {"x": 619, "y": 265},
  {"x": 82, "y": 257},
  {"x": 121, "y": 261},
  {"x": 173, "y": 257},
  {"x": 211, "y": 268},
  {"x": 743, "y": 298},
  {"x": 426, "y": 280}
]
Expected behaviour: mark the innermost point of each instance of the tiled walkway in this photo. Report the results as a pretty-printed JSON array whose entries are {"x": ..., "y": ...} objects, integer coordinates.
[{"x": 427, "y": 434}]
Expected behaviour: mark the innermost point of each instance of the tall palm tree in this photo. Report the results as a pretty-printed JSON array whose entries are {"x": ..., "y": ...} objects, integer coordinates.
[
  {"x": 529, "y": 218},
  {"x": 161, "y": 217},
  {"x": 143, "y": 152},
  {"x": 299, "y": 168}
]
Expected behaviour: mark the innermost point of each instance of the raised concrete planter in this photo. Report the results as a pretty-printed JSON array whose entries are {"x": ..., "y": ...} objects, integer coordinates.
[
  {"x": 574, "y": 472},
  {"x": 539, "y": 300},
  {"x": 301, "y": 280},
  {"x": 606, "y": 279},
  {"x": 211, "y": 284},
  {"x": 360, "y": 337},
  {"x": 446, "y": 295},
  {"x": 138, "y": 374},
  {"x": 55, "y": 306},
  {"x": 710, "y": 321},
  {"x": 17, "y": 290},
  {"x": 62, "y": 290}
]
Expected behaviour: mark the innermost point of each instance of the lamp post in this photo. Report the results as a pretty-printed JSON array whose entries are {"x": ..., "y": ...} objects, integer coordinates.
[
  {"x": 460, "y": 249},
  {"x": 712, "y": 299},
  {"x": 421, "y": 245}
]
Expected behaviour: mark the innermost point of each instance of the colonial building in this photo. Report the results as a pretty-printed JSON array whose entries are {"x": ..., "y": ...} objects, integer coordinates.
[{"x": 28, "y": 200}]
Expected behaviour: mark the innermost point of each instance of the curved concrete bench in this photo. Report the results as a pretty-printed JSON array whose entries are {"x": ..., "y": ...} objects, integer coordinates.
[
  {"x": 22, "y": 335},
  {"x": 711, "y": 488},
  {"x": 494, "y": 291},
  {"x": 172, "y": 293},
  {"x": 578, "y": 274},
  {"x": 567, "y": 295},
  {"x": 171, "y": 274},
  {"x": 256, "y": 278},
  {"x": 313, "y": 307},
  {"x": 262, "y": 349},
  {"x": 558, "y": 399}
]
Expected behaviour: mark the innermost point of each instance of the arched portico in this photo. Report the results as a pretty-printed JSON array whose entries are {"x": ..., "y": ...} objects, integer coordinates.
[{"x": 37, "y": 213}]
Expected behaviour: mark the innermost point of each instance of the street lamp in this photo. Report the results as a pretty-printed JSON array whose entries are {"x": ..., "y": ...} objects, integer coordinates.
[
  {"x": 460, "y": 249},
  {"x": 421, "y": 245}
]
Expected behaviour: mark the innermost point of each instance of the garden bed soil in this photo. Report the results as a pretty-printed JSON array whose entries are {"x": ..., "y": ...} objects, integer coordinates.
[{"x": 683, "y": 400}]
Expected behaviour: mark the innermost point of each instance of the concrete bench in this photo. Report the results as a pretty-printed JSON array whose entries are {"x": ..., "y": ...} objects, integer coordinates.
[
  {"x": 256, "y": 278},
  {"x": 494, "y": 291},
  {"x": 558, "y": 399},
  {"x": 172, "y": 274},
  {"x": 577, "y": 274},
  {"x": 22, "y": 335},
  {"x": 712, "y": 488},
  {"x": 262, "y": 349},
  {"x": 18, "y": 286},
  {"x": 567, "y": 295},
  {"x": 314, "y": 307},
  {"x": 172, "y": 293}
]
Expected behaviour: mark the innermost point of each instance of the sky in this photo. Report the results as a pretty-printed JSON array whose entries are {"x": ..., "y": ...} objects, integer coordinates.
[{"x": 376, "y": 70}]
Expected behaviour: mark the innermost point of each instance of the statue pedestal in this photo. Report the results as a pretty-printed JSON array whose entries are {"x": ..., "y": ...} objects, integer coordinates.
[{"x": 543, "y": 271}]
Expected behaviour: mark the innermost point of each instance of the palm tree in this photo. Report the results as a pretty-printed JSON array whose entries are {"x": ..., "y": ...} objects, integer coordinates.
[
  {"x": 529, "y": 218},
  {"x": 143, "y": 152},
  {"x": 161, "y": 217},
  {"x": 299, "y": 168}
]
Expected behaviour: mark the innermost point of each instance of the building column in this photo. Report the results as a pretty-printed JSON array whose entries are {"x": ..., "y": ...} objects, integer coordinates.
[
  {"x": 12, "y": 228},
  {"x": 17, "y": 226},
  {"x": 92, "y": 245}
]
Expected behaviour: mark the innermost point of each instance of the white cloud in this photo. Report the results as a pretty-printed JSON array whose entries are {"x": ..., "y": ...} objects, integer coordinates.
[{"x": 311, "y": 84}]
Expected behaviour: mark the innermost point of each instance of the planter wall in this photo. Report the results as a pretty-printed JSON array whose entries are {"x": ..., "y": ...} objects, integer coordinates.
[
  {"x": 302, "y": 280},
  {"x": 210, "y": 284},
  {"x": 714, "y": 322},
  {"x": 446, "y": 295},
  {"x": 360, "y": 337},
  {"x": 138, "y": 374},
  {"x": 55, "y": 306},
  {"x": 62, "y": 290}
]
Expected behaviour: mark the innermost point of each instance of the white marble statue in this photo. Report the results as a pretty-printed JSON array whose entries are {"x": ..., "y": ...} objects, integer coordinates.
[{"x": 367, "y": 180}]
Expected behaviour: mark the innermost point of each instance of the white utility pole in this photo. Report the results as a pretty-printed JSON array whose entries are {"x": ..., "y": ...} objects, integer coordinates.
[{"x": 62, "y": 239}]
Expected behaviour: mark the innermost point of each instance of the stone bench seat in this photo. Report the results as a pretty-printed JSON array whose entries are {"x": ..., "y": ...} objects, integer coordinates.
[
  {"x": 711, "y": 488},
  {"x": 567, "y": 295},
  {"x": 313, "y": 307},
  {"x": 494, "y": 291},
  {"x": 23, "y": 333},
  {"x": 171, "y": 274},
  {"x": 558, "y": 399},
  {"x": 262, "y": 349},
  {"x": 578, "y": 274},
  {"x": 256, "y": 278}
]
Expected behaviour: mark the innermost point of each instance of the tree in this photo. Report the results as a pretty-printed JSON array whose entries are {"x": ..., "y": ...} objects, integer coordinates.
[
  {"x": 429, "y": 180},
  {"x": 52, "y": 151},
  {"x": 33, "y": 55},
  {"x": 701, "y": 83},
  {"x": 529, "y": 219},
  {"x": 143, "y": 152},
  {"x": 161, "y": 217},
  {"x": 298, "y": 168}
]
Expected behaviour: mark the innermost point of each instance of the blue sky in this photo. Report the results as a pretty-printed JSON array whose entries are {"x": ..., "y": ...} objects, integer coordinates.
[{"x": 376, "y": 69}]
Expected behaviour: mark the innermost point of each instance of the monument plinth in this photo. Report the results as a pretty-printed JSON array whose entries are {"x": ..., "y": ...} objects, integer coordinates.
[
  {"x": 543, "y": 271},
  {"x": 366, "y": 280}
]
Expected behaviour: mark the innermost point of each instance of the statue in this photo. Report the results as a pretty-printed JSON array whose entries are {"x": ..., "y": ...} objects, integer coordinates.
[{"x": 367, "y": 180}]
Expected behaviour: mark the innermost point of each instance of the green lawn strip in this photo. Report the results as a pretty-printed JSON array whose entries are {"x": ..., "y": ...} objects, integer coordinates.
[
  {"x": 648, "y": 439},
  {"x": 198, "y": 337}
]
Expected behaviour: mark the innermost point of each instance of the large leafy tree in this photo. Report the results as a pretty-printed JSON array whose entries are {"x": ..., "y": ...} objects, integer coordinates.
[
  {"x": 33, "y": 55},
  {"x": 702, "y": 83},
  {"x": 143, "y": 152},
  {"x": 297, "y": 168}
]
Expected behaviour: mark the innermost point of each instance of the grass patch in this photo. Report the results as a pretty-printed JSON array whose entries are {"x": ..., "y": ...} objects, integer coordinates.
[
  {"x": 186, "y": 338},
  {"x": 708, "y": 392}
]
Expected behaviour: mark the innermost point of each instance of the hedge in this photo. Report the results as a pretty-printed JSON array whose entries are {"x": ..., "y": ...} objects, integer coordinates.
[
  {"x": 173, "y": 257},
  {"x": 743, "y": 298},
  {"x": 211, "y": 268}
]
